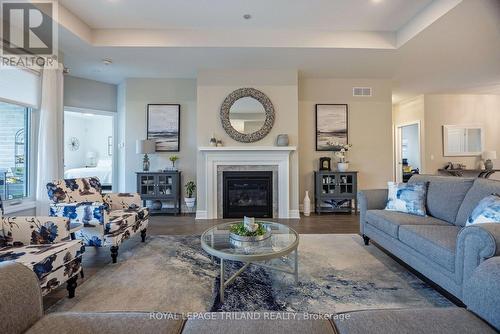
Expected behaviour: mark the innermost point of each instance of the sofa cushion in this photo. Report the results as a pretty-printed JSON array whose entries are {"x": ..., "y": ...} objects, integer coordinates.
[
  {"x": 445, "y": 195},
  {"x": 479, "y": 190},
  {"x": 407, "y": 198},
  {"x": 437, "y": 243},
  {"x": 389, "y": 222},
  {"x": 487, "y": 211},
  {"x": 108, "y": 323},
  {"x": 448, "y": 320},
  {"x": 249, "y": 323}
]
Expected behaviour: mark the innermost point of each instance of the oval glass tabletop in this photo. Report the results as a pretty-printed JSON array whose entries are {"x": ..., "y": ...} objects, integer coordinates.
[{"x": 216, "y": 241}]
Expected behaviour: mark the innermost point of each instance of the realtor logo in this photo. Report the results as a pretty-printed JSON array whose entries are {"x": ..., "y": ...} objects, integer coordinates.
[{"x": 29, "y": 33}]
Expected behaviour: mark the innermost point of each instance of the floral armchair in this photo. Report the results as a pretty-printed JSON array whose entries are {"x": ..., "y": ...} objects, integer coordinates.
[
  {"x": 42, "y": 244},
  {"x": 108, "y": 219}
]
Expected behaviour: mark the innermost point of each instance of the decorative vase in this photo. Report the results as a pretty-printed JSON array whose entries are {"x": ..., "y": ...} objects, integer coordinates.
[
  {"x": 282, "y": 140},
  {"x": 307, "y": 205},
  {"x": 189, "y": 201},
  {"x": 156, "y": 205},
  {"x": 343, "y": 166}
]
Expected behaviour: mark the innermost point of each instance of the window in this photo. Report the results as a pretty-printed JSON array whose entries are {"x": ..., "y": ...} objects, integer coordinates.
[{"x": 14, "y": 157}]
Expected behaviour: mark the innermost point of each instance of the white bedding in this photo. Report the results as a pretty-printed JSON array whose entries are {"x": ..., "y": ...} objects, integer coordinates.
[{"x": 104, "y": 173}]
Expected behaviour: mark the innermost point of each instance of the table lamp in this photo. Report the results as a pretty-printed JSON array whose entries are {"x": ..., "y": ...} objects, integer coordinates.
[
  {"x": 145, "y": 146},
  {"x": 487, "y": 157}
]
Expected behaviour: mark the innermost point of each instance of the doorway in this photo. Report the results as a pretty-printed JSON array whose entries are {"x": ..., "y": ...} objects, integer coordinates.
[
  {"x": 408, "y": 153},
  {"x": 89, "y": 145}
]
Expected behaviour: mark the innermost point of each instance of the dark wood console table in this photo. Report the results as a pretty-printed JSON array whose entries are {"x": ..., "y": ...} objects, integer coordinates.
[{"x": 482, "y": 173}]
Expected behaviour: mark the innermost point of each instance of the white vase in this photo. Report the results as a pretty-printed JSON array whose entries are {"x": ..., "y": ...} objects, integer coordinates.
[
  {"x": 189, "y": 201},
  {"x": 343, "y": 166},
  {"x": 307, "y": 204}
]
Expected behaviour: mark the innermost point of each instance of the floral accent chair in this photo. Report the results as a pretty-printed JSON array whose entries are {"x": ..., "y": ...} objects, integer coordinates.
[
  {"x": 43, "y": 245},
  {"x": 107, "y": 219}
]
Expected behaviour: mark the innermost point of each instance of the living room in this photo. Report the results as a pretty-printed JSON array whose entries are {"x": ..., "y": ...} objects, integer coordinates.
[{"x": 185, "y": 167}]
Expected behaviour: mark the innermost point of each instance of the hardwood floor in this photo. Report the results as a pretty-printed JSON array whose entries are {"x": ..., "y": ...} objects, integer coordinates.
[{"x": 95, "y": 259}]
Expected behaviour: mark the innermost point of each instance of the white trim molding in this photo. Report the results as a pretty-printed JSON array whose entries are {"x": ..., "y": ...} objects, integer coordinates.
[{"x": 244, "y": 156}]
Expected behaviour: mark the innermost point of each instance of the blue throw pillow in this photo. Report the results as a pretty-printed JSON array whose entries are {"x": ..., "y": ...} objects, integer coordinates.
[
  {"x": 407, "y": 198},
  {"x": 486, "y": 211}
]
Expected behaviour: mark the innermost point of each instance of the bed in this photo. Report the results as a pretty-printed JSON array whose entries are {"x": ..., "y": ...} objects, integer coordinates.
[{"x": 103, "y": 171}]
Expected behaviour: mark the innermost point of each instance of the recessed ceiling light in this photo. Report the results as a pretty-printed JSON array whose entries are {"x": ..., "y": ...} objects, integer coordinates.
[
  {"x": 247, "y": 16},
  {"x": 107, "y": 61},
  {"x": 377, "y": 1}
]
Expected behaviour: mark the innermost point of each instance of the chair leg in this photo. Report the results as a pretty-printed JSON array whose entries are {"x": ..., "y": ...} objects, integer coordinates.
[
  {"x": 82, "y": 274},
  {"x": 114, "y": 253},
  {"x": 366, "y": 240},
  {"x": 143, "y": 235},
  {"x": 71, "y": 286}
]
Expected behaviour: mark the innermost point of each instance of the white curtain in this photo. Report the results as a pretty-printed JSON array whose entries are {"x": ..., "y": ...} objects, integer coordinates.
[{"x": 50, "y": 161}]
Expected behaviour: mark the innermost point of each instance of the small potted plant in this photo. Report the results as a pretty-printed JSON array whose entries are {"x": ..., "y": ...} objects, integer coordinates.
[
  {"x": 190, "y": 189},
  {"x": 173, "y": 159}
]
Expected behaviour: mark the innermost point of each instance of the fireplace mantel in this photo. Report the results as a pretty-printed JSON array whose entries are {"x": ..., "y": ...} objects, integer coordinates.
[
  {"x": 272, "y": 156},
  {"x": 247, "y": 148}
]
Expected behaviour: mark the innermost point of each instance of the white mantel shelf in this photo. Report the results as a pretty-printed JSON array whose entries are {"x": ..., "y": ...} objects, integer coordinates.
[{"x": 247, "y": 148}]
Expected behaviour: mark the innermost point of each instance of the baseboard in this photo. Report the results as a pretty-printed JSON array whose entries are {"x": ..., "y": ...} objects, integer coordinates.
[
  {"x": 201, "y": 214},
  {"x": 293, "y": 214}
]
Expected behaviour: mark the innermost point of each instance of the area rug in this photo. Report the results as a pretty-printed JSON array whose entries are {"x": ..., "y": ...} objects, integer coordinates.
[{"x": 173, "y": 274}]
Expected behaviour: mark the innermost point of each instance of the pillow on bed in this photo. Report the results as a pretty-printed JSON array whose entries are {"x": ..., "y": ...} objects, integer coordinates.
[
  {"x": 486, "y": 211},
  {"x": 407, "y": 198},
  {"x": 104, "y": 163}
]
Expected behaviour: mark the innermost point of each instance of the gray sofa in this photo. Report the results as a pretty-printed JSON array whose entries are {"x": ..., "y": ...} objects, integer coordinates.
[
  {"x": 21, "y": 311},
  {"x": 438, "y": 246}
]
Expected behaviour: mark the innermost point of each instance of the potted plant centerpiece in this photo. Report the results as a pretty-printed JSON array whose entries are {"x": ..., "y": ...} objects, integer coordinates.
[
  {"x": 190, "y": 189},
  {"x": 173, "y": 159},
  {"x": 249, "y": 230}
]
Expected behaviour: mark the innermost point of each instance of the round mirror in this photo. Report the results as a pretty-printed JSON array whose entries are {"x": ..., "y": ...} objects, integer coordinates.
[{"x": 247, "y": 115}]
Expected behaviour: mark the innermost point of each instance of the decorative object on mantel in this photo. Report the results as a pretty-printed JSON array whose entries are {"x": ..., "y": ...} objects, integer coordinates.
[
  {"x": 219, "y": 143},
  {"x": 213, "y": 141},
  {"x": 343, "y": 164},
  {"x": 145, "y": 146},
  {"x": 460, "y": 172},
  {"x": 190, "y": 188},
  {"x": 173, "y": 159},
  {"x": 163, "y": 126},
  {"x": 325, "y": 163},
  {"x": 487, "y": 157},
  {"x": 282, "y": 140},
  {"x": 247, "y": 115},
  {"x": 249, "y": 231},
  {"x": 307, "y": 204},
  {"x": 331, "y": 126}
]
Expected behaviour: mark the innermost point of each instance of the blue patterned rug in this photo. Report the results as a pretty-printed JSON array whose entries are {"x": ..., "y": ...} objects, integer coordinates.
[{"x": 173, "y": 274}]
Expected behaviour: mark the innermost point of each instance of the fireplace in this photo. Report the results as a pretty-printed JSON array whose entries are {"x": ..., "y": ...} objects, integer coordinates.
[{"x": 247, "y": 193}]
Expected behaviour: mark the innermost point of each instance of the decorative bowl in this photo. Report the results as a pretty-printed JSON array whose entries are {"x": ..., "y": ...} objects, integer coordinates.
[{"x": 250, "y": 239}]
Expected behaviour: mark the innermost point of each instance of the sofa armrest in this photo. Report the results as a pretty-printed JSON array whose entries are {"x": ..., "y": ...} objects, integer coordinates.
[
  {"x": 475, "y": 244},
  {"x": 119, "y": 201},
  {"x": 36, "y": 230},
  {"x": 21, "y": 298},
  {"x": 482, "y": 291},
  {"x": 371, "y": 199}
]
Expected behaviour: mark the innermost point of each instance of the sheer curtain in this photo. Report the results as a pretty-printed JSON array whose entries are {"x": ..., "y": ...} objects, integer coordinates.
[{"x": 50, "y": 159}]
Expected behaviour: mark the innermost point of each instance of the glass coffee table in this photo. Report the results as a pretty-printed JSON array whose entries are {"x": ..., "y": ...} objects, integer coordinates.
[{"x": 283, "y": 241}]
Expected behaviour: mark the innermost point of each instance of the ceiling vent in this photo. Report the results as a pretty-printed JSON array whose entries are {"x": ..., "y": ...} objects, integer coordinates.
[{"x": 361, "y": 91}]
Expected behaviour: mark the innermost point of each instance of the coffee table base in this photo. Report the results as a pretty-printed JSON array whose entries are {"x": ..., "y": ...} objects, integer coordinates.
[{"x": 224, "y": 283}]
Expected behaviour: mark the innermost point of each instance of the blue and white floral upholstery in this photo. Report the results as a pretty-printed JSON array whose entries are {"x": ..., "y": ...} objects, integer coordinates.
[
  {"x": 42, "y": 244},
  {"x": 107, "y": 219}
]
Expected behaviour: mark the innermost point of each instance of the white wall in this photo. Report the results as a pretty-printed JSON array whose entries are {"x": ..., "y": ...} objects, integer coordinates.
[
  {"x": 370, "y": 131},
  {"x": 134, "y": 95},
  {"x": 282, "y": 89},
  {"x": 89, "y": 94}
]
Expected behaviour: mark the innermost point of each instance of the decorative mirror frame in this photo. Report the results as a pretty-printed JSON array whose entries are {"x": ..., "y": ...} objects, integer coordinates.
[{"x": 226, "y": 107}]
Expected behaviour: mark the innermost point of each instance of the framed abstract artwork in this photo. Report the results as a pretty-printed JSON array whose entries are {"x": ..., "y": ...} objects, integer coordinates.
[
  {"x": 163, "y": 126},
  {"x": 331, "y": 126}
]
